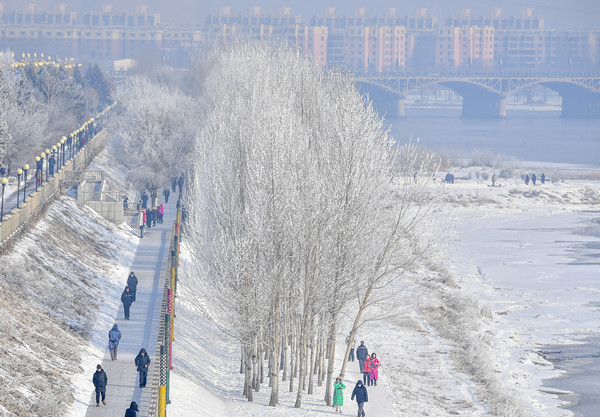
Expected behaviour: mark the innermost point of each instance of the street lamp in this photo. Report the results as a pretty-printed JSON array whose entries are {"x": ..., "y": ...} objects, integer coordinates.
[
  {"x": 25, "y": 170},
  {"x": 4, "y": 181},
  {"x": 70, "y": 145},
  {"x": 19, "y": 173},
  {"x": 54, "y": 148},
  {"x": 58, "y": 146},
  {"x": 38, "y": 166},
  {"x": 47, "y": 164},
  {"x": 62, "y": 143}
]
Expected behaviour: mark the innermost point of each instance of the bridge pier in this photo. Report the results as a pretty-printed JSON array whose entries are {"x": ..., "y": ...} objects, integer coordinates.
[
  {"x": 483, "y": 105},
  {"x": 580, "y": 105},
  {"x": 400, "y": 108}
]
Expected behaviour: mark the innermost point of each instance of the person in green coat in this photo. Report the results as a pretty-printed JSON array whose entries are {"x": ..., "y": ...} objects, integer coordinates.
[{"x": 338, "y": 394}]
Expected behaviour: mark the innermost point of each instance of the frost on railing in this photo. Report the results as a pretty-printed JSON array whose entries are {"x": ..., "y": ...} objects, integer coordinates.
[
  {"x": 18, "y": 219},
  {"x": 166, "y": 334}
]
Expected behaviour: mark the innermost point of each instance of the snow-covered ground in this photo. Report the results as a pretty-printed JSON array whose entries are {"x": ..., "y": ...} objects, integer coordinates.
[
  {"x": 468, "y": 342},
  {"x": 516, "y": 280}
]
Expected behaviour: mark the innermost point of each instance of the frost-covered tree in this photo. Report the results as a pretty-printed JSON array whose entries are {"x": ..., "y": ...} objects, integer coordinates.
[
  {"x": 24, "y": 117},
  {"x": 154, "y": 130},
  {"x": 292, "y": 195}
]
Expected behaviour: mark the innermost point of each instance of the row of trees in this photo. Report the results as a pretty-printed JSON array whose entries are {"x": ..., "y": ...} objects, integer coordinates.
[
  {"x": 303, "y": 211},
  {"x": 40, "y": 103}
]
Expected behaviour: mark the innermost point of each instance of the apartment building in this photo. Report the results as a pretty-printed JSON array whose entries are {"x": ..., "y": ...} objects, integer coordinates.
[{"x": 363, "y": 43}]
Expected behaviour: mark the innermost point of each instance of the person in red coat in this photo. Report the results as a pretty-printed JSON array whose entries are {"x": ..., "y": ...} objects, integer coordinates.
[{"x": 367, "y": 371}]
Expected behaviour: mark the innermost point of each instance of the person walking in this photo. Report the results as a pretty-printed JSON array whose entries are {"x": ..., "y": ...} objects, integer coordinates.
[
  {"x": 154, "y": 215},
  {"x": 338, "y": 394},
  {"x": 144, "y": 200},
  {"x": 132, "y": 410},
  {"x": 361, "y": 354},
  {"x": 166, "y": 194},
  {"x": 132, "y": 283},
  {"x": 100, "y": 381},
  {"x": 126, "y": 203},
  {"x": 362, "y": 396},
  {"x": 533, "y": 179},
  {"x": 154, "y": 198},
  {"x": 527, "y": 179},
  {"x": 114, "y": 335},
  {"x": 180, "y": 184},
  {"x": 351, "y": 354},
  {"x": 126, "y": 299},
  {"x": 375, "y": 364},
  {"x": 367, "y": 371},
  {"x": 141, "y": 222},
  {"x": 142, "y": 361},
  {"x": 148, "y": 218},
  {"x": 51, "y": 163},
  {"x": 161, "y": 213},
  {"x": 494, "y": 180},
  {"x": 173, "y": 184}
]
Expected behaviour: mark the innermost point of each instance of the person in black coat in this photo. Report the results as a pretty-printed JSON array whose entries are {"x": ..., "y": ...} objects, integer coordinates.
[
  {"x": 126, "y": 299},
  {"x": 361, "y": 355},
  {"x": 144, "y": 200},
  {"x": 142, "y": 361},
  {"x": 132, "y": 410},
  {"x": 100, "y": 381},
  {"x": 180, "y": 183},
  {"x": 166, "y": 194},
  {"x": 132, "y": 283},
  {"x": 362, "y": 396}
]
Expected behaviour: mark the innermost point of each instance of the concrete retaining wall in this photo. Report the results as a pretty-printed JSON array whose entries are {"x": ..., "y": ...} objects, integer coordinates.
[{"x": 14, "y": 222}]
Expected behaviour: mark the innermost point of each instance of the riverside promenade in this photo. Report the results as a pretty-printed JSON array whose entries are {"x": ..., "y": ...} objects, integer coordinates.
[{"x": 150, "y": 264}]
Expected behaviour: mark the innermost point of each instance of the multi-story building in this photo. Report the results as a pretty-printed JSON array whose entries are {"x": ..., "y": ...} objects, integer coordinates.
[{"x": 362, "y": 43}]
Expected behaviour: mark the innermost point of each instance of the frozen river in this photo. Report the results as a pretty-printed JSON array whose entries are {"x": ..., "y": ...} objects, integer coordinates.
[{"x": 523, "y": 135}]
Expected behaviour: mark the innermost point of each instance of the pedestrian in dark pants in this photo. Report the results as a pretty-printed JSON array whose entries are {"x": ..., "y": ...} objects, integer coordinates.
[
  {"x": 533, "y": 179},
  {"x": 126, "y": 299},
  {"x": 148, "y": 218},
  {"x": 180, "y": 184},
  {"x": 351, "y": 354},
  {"x": 141, "y": 222},
  {"x": 132, "y": 410},
  {"x": 173, "y": 184},
  {"x": 51, "y": 162},
  {"x": 166, "y": 194},
  {"x": 114, "y": 336},
  {"x": 361, "y": 355},
  {"x": 125, "y": 203},
  {"x": 132, "y": 283},
  {"x": 144, "y": 200},
  {"x": 362, "y": 396},
  {"x": 142, "y": 361},
  {"x": 100, "y": 381}
]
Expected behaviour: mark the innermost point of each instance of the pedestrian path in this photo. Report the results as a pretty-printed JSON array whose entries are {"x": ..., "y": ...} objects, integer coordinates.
[{"x": 141, "y": 331}]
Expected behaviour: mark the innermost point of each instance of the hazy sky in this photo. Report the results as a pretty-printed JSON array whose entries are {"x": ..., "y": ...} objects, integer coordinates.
[{"x": 560, "y": 14}]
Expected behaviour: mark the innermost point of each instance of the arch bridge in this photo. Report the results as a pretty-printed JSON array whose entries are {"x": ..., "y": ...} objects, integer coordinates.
[{"x": 485, "y": 95}]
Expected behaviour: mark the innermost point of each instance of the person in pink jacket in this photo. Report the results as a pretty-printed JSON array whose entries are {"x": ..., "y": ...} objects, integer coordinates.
[
  {"x": 161, "y": 213},
  {"x": 375, "y": 364}
]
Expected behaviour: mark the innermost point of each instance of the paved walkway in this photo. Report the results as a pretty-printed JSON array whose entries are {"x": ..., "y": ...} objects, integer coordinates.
[{"x": 141, "y": 331}]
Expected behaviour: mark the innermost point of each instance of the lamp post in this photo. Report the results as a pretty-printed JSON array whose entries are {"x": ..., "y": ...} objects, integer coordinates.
[
  {"x": 4, "y": 181},
  {"x": 47, "y": 164},
  {"x": 58, "y": 164},
  {"x": 19, "y": 173},
  {"x": 38, "y": 163},
  {"x": 54, "y": 149},
  {"x": 25, "y": 170},
  {"x": 62, "y": 145}
]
